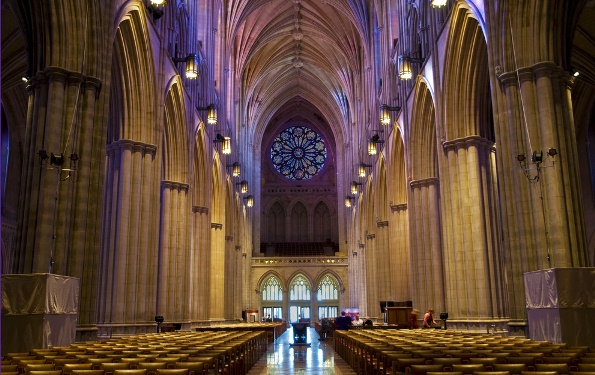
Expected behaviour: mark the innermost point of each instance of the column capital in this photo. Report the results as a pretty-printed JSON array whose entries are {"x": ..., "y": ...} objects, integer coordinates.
[
  {"x": 128, "y": 144},
  {"x": 424, "y": 182},
  {"x": 398, "y": 207},
  {"x": 174, "y": 185},
  {"x": 465, "y": 142},
  {"x": 216, "y": 226},
  {"x": 200, "y": 209}
]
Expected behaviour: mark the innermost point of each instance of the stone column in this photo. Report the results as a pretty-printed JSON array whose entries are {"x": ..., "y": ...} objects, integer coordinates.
[
  {"x": 53, "y": 220},
  {"x": 370, "y": 266},
  {"x": 426, "y": 245},
  {"x": 384, "y": 270},
  {"x": 217, "y": 267},
  {"x": 200, "y": 264},
  {"x": 542, "y": 211},
  {"x": 174, "y": 254},
  {"x": 129, "y": 242},
  {"x": 475, "y": 290},
  {"x": 399, "y": 258}
]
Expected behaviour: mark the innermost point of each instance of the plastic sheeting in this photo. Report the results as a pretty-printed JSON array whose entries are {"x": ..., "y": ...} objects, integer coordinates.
[
  {"x": 561, "y": 305},
  {"x": 38, "y": 311}
]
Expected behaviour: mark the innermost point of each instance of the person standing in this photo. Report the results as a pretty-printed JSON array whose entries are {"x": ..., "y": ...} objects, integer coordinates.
[{"x": 343, "y": 322}]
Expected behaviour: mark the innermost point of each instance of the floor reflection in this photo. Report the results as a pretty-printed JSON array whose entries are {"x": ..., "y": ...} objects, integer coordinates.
[{"x": 317, "y": 359}]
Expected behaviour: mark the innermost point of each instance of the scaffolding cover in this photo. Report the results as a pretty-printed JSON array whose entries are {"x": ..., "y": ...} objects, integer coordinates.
[
  {"x": 38, "y": 311},
  {"x": 561, "y": 305}
]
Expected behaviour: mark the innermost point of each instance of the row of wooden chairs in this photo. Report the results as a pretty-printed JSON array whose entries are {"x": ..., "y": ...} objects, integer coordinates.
[
  {"x": 199, "y": 353},
  {"x": 396, "y": 351}
]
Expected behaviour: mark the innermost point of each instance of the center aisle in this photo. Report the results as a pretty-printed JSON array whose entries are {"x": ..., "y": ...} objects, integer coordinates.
[{"x": 317, "y": 359}]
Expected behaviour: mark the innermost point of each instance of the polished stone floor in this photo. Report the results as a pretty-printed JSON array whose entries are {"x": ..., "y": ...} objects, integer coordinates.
[{"x": 317, "y": 359}]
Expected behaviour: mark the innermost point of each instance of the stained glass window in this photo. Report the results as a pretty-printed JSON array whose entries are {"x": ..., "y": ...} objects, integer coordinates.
[
  {"x": 328, "y": 289},
  {"x": 299, "y": 289},
  {"x": 298, "y": 153},
  {"x": 271, "y": 290}
]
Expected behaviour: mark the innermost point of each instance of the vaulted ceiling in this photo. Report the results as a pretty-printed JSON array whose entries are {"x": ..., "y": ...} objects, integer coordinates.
[{"x": 297, "y": 57}]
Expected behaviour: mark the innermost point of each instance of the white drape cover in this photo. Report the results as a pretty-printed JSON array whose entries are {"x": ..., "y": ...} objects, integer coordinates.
[
  {"x": 38, "y": 311},
  {"x": 561, "y": 305}
]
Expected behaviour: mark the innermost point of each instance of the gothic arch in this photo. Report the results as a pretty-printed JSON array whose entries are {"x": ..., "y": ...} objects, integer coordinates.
[
  {"x": 132, "y": 81},
  {"x": 334, "y": 275},
  {"x": 201, "y": 169},
  {"x": 423, "y": 159},
  {"x": 466, "y": 79},
  {"x": 175, "y": 137},
  {"x": 397, "y": 174},
  {"x": 272, "y": 273}
]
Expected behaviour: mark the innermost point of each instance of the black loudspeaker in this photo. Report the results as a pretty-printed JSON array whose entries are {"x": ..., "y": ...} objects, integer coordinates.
[
  {"x": 159, "y": 319},
  {"x": 443, "y": 315},
  {"x": 383, "y": 306}
]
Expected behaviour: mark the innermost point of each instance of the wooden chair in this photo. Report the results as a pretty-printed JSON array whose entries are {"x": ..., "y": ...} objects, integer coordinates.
[
  {"x": 88, "y": 372},
  {"x": 561, "y": 368},
  {"x": 111, "y": 367},
  {"x": 590, "y": 360},
  {"x": 491, "y": 373},
  {"x": 170, "y": 361},
  {"x": 528, "y": 361},
  {"x": 46, "y": 372},
  {"x": 173, "y": 371},
  {"x": 468, "y": 368},
  {"x": 447, "y": 362},
  {"x": 194, "y": 368},
  {"x": 10, "y": 368},
  {"x": 96, "y": 362},
  {"x": 136, "y": 371},
  {"x": 488, "y": 362},
  {"x": 37, "y": 367},
  {"x": 423, "y": 369},
  {"x": 132, "y": 361},
  {"x": 539, "y": 373},
  {"x": 60, "y": 362},
  {"x": 151, "y": 367},
  {"x": 586, "y": 367},
  {"x": 68, "y": 367},
  {"x": 513, "y": 368}
]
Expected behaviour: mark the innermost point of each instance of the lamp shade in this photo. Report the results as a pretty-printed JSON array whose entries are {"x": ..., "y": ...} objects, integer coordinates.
[
  {"x": 361, "y": 170},
  {"x": 437, "y": 3},
  {"x": 348, "y": 202},
  {"x": 211, "y": 115},
  {"x": 372, "y": 147},
  {"x": 226, "y": 146},
  {"x": 192, "y": 66},
  {"x": 236, "y": 169},
  {"x": 249, "y": 201},
  {"x": 158, "y": 2},
  {"x": 405, "y": 72},
  {"x": 384, "y": 115},
  {"x": 244, "y": 187},
  {"x": 354, "y": 187}
]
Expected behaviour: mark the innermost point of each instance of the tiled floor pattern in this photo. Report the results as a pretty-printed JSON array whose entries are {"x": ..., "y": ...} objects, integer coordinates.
[{"x": 318, "y": 359}]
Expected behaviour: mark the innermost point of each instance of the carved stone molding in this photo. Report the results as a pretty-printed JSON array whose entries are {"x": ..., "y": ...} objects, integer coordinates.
[
  {"x": 291, "y": 262},
  {"x": 128, "y": 144},
  {"x": 465, "y": 142},
  {"x": 424, "y": 182},
  {"x": 540, "y": 69},
  {"x": 382, "y": 224},
  {"x": 216, "y": 226},
  {"x": 398, "y": 207},
  {"x": 173, "y": 185},
  {"x": 228, "y": 238},
  {"x": 200, "y": 210},
  {"x": 370, "y": 236}
]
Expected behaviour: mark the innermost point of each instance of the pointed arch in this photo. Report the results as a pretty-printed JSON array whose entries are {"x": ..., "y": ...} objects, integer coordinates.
[
  {"x": 423, "y": 155},
  {"x": 175, "y": 136},
  {"x": 132, "y": 81}
]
